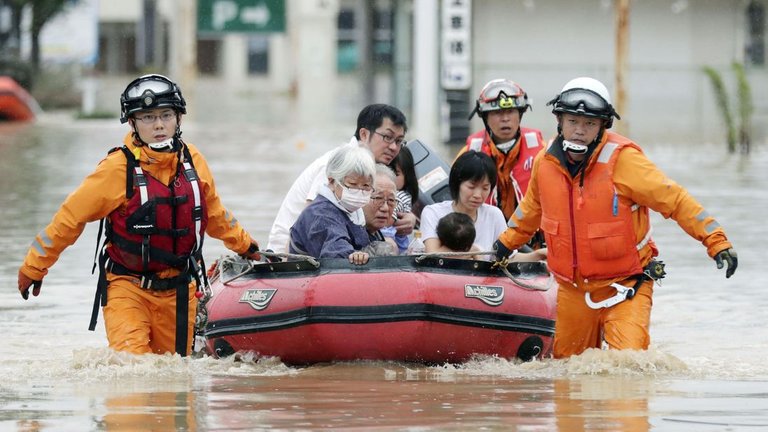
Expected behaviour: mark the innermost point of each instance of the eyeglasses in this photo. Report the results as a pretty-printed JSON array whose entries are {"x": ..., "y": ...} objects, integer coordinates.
[
  {"x": 151, "y": 118},
  {"x": 389, "y": 139},
  {"x": 356, "y": 187},
  {"x": 379, "y": 201}
]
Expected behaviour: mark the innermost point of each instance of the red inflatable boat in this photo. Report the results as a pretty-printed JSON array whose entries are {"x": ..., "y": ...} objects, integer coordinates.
[
  {"x": 428, "y": 310},
  {"x": 15, "y": 103}
]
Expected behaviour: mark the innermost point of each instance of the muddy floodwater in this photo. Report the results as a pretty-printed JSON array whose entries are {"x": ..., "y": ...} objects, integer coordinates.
[{"x": 706, "y": 369}]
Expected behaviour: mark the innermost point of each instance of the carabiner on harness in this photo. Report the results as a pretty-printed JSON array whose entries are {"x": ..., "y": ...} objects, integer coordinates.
[
  {"x": 653, "y": 271},
  {"x": 622, "y": 293}
]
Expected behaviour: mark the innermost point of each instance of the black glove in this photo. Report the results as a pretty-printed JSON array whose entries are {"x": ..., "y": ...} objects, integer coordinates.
[
  {"x": 26, "y": 283},
  {"x": 253, "y": 252},
  {"x": 501, "y": 250},
  {"x": 729, "y": 256}
]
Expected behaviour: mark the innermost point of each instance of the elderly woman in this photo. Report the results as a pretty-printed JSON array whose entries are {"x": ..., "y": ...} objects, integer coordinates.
[{"x": 333, "y": 225}]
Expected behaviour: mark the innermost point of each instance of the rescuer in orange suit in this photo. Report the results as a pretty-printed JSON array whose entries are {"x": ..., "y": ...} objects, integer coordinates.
[
  {"x": 590, "y": 193},
  {"x": 156, "y": 198},
  {"x": 501, "y": 106}
]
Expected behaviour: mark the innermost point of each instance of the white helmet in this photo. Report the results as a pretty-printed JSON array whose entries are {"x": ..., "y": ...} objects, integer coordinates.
[{"x": 585, "y": 96}]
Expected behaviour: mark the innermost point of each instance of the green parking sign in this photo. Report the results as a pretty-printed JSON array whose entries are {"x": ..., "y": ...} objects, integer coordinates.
[{"x": 244, "y": 16}]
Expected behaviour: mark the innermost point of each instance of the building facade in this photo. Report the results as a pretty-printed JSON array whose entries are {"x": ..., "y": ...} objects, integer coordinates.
[{"x": 364, "y": 51}]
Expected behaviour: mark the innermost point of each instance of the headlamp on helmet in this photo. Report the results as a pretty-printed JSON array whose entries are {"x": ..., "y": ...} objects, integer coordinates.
[
  {"x": 149, "y": 92},
  {"x": 500, "y": 94}
]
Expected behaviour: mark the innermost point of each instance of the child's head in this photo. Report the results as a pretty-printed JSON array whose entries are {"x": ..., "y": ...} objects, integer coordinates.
[
  {"x": 403, "y": 167},
  {"x": 456, "y": 231}
]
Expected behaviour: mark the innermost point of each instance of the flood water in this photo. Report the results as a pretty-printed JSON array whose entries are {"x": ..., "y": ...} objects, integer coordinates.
[{"x": 705, "y": 371}]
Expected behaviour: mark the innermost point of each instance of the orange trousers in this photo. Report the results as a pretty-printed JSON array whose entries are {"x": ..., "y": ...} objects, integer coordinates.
[
  {"x": 142, "y": 321},
  {"x": 623, "y": 326}
]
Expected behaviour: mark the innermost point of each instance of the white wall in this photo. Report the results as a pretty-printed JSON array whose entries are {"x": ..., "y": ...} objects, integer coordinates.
[
  {"x": 120, "y": 11},
  {"x": 542, "y": 44}
]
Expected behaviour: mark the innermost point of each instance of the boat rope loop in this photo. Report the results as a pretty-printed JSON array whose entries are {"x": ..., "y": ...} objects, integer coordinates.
[
  {"x": 277, "y": 257},
  {"x": 273, "y": 257},
  {"x": 502, "y": 265},
  {"x": 421, "y": 257}
]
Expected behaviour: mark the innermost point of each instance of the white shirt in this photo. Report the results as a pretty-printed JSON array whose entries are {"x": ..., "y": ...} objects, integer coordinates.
[
  {"x": 489, "y": 225},
  {"x": 305, "y": 188}
]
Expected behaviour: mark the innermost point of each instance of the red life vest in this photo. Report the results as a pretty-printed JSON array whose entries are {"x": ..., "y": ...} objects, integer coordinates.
[
  {"x": 161, "y": 226},
  {"x": 591, "y": 230},
  {"x": 529, "y": 145}
]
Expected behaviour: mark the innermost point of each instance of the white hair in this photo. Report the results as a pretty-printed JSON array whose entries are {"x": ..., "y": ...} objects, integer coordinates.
[
  {"x": 350, "y": 160},
  {"x": 386, "y": 171}
]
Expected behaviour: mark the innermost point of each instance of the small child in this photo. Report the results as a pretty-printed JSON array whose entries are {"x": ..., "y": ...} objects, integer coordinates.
[
  {"x": 407, "y": 192},
  {"x": 456, "y": 233}
]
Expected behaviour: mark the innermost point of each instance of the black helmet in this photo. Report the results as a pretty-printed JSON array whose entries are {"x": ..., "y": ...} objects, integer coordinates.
[{"x": 148, "y": 92}]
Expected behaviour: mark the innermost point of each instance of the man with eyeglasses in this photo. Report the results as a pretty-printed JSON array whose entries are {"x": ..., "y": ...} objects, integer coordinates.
[
  {"x": 379, "y": 211},
  {"x": 381, "y": 129},
  {"x": 590, "y": 193},
  {"x": 501, "y": 106},
  {"x": 156, "y": 199}
]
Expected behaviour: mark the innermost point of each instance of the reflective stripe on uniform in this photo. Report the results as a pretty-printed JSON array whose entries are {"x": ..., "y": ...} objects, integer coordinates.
[
  {"x": 476, "y": 144},
  {"x": 607, "y": 152},
  {"x": 46, "y": 242},
  {"x": 517, "y": 214},
  {"x": 531, "y": 140}
]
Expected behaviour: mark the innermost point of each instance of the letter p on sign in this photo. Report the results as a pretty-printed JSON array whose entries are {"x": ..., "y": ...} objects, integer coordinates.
[{"x": 223, "y": 11}]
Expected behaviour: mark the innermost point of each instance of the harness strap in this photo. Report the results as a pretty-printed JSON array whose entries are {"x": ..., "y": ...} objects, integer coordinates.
[
  {"x": 172, "y": 201},
  {"x": 182, "y": 319},
  {"x": 197, "y": 211},
  {"x": 100, "y": 298},
  {"x": 131, "y": 163},
  {"x": 149, "y": 280},
  {"x": 158, "y": 255},
  {"x": 645, "y": 238}
]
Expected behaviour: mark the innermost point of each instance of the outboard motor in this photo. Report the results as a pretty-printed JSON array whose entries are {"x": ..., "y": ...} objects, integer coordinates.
[{"x": 432, "y": 174}]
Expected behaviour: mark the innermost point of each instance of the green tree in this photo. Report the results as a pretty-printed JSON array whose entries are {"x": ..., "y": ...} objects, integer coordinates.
[
  {"x": 746, "y": 107},
  {"x": 42, "y": 12},
  {"x": 721, "y": 95}
]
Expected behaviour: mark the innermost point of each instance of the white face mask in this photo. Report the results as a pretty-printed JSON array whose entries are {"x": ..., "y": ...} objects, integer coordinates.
[{"x": 353, "y": 199}]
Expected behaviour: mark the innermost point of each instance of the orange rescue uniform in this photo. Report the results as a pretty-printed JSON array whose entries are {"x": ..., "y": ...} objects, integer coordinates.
[
  {"x": 597, "y": 230},
  {"x": 136, "y": 320}
]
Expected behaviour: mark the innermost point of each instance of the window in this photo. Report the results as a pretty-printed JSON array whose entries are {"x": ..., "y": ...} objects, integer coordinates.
[
  {"x": 258, "y": 54},
  {"x": 755, "y": 49},
  {"x": 382, "y": 45}
]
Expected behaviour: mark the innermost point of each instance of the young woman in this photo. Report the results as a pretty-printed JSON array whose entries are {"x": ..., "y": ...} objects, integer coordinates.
[
  {"x": 471, "y": 180},
  {"x": 472, "y": 177}
]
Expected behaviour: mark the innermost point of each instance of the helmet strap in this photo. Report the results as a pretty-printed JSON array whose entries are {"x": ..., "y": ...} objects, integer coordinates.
[
  {"x": 505, "y": 147},
  {"x": 174, "y": 140},
  {"x": 578, "y": 148}
]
